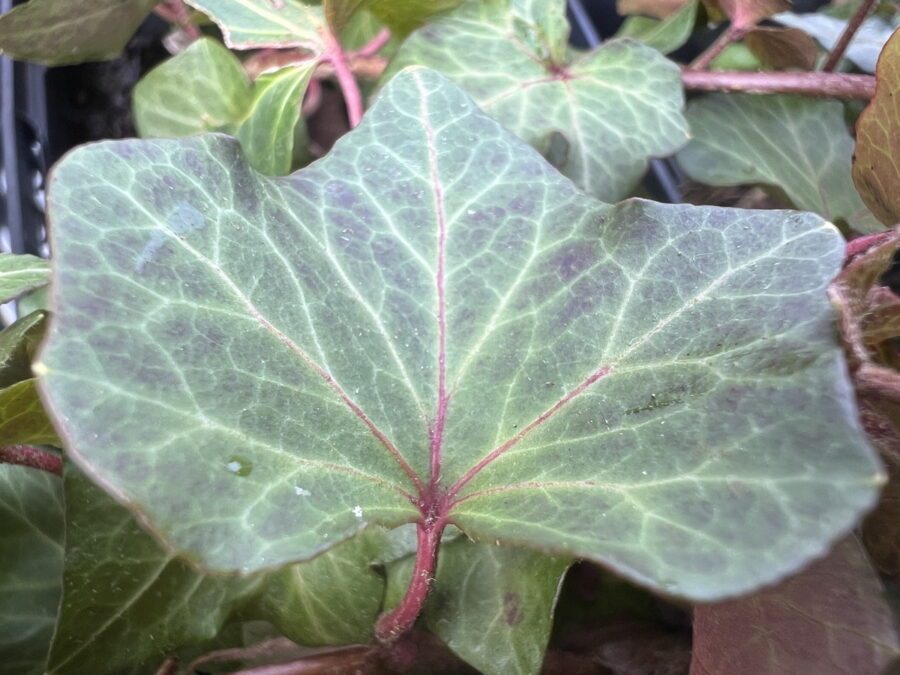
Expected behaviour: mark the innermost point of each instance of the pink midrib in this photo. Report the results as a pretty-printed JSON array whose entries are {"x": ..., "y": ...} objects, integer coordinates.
[{"x": 437, "y": 429}]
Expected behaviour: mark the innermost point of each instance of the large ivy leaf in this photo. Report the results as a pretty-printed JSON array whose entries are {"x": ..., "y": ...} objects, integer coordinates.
[
  {"x": 205, "y": 88},
  {"x": 666, "y": 34},
  {"x": 657, "y": 388},
  {"x": 830, "y": 619},
  {"x": 492, "y": 605},
  {"x": 597, "y": 116},
  {"x": 251, "y": 24},
  {"x": 876, "y": 162},
  {"x": 58, "y": 33},
  {"x": 31, "y": 558},
  {"x": 798, "y": 144},
  {"x": 865, "y": 46},
  {"x": 20, "y": 274}
]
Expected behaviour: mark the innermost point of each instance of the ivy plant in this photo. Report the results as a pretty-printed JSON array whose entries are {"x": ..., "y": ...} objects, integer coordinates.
[{"x": 401, "y": 408}]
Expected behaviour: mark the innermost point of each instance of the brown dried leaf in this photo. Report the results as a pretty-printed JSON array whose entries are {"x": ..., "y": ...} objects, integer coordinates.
[
  {"x": 876, "y": 162},
  {"x": 831, "y": 619},
  {"x": 783, "y": 48}
]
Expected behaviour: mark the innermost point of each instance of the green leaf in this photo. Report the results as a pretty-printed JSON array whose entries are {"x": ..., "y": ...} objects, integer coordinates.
[
  {"x": 267, "y": 135},
  {"x": 867, "y": 42},
  {"x": 492, "y": 605},
  {"x": 58, "y": 33},
  {"x": 333, "y": 599},
  {"x": 831, "y": 619},
  {"x": 798, "y": 144},
  {"x": 20, "y": 274},
  {"x": 252, "y": 24},
  {"x": 204, "y": 88},
  {"x": 121, "y": 588},
  {"x": 404, "y": 16},
  {"x": 597, "y": 116},
  {"x": 338, "y": 13},
  {"x": 31, "y": 558},
  {"x": 667, "y": 34},
  {"x": 657, "y": 388},
  {"x": 22, "y": 416},
  {"x": 876, "y": 162},
  {"x": 18, "y": 345},
  {"x": 157, "y": 604}
]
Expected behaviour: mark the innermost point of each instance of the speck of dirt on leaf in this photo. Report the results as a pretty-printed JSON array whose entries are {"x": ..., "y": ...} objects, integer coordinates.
[{"x": 239, "y": 466}]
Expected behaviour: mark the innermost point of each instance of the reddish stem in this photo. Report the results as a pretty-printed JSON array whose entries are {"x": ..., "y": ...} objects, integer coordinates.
[
  {"x": 396, "y": 622},
  {"x": 336, "y": 55},
  {"x": 731, "y": 34},
  {"x": 375, "y": 45},
  {"x": 175, "y": 12},
  {"x": 864, "y": 243},
  {"x": 34, "y": 458},
  {"x": 830, "y": 85},
  {"x": 834, "y": 58}
]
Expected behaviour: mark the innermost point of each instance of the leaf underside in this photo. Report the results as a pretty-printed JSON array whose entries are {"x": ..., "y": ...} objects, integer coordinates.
[
  {"x": 800, "y": 145},
  {"x": 831, "y": 619},
  {"x": 876, "y": 165},
  {"x": 617, "y": 383},
  {"x": 252, "y": 24},
  {"x": 57, "y": 33},
  {"x": 598, "y": 116}
]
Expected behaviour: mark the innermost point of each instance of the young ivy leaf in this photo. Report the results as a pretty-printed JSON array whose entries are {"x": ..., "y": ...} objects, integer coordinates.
[
  {"x": 22, "y": 416},
  {"x": 876, "y": 162},
  {"x": 120, "y": 587},
  {"x": 666, "y": 34},
  {"x": 20, "y": 274},
  {"x": 492, "y": 605},
  {"x": 597, "y": 116},
  {"x": 58, "y": 33},
  {"x": 31, "y": 558},
  {"x": 831, "y": 619},
  {"x": 800, "y": 145},
  {"x": 18, "y": 345},
  {"x": 404, "y": 16},
  {"x": 265, "y": 366},
  {"x": 205, "y": 88},
  {"x": 256, "y": 24}
]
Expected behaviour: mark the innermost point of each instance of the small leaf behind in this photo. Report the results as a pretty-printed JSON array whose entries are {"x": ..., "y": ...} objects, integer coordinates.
[
  {"x": 800, "y": 145},
  {"x": 58, "y": 33},
  {"x": 20, "y": 274},
  {"x": 31, "y": 561},
  {"x": 876, "y": 162},
  {"x": 830, "y": 619},
  {"x": 492, "y": 605}
]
